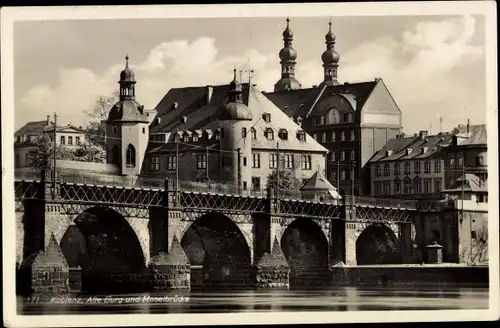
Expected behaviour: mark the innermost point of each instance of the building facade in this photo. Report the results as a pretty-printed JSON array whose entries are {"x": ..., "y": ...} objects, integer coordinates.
[
  {"x": 410, "y": 167},
  {"x": 228, "y": 134},
  {"x": 25, "y": 139},
  {"x": 351, "y": 120}
]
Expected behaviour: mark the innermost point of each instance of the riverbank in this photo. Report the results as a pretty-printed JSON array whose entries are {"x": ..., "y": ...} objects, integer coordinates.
[{"x": 410, "y": 275}]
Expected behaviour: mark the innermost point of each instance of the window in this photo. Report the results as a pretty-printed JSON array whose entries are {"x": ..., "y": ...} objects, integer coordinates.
[
  {"x": 63, "y": 140},
  {"x": 416, "y": 167},
  {"x": 244, "y": 185},
  {"x": 243, "y": 132},
  {"x": 322, "y": 120},
  {"x": 266, "y": 117},
  {"x": 217, "y": 135},
  {"x": 16, "y": 160},
  {"x": 333, "y": 136},
  {"x": 115, "y": 155},
  {"x": 397, "y": 169},
  {"x": 256, "y": 160},
  {"x": 332, "y": 156},
  {"x": 244, "y": 161},
  {"x": 306, "y": 162},
  {"x": 201, "y": 161},
  {"x": 377, "y": 188},
  {"x": 427, "y": 186},
  {"x": 273, "y": 161},
  {"x": 451, "y": 181},
  {"x": 353, "y": 155},
  {"x": 343, "y": 175},
  {"x": 333, "y": 174},
  {"x": 479, "y": 161},
  {"x": 77, "y": 140},
  {"x": 387, "y": 188},
  {"x": 427, "y": 167},
  {"x": 269, "y": 134},
  {"x": 377, "y": 170},
  {"x": 143, "y": 130},
  {"x": 342, "y": 155},
  {"x": 342, "y": 136},
  {"x": 283, "y": 134},
  {"x": 353, "y": 135},
  {"x": 451, "y": 161},
  {"x": 397, "y": 186},
  {"x": 315, "y": 136},
  {"x": 332, "y": 116},
  {"x": 255, "y": 183},
  {"x": 387, "y": 169},
  {"x": 301, "y": 135},
  {"x": 70, "y": 141},
  {"x": 460, "y": 160},
  {"x": 155, "y": 163},
  {"x": 323, "y": 137},
  {"x": 437, "y": 185},
  {"x": 171, "y": 163},
  {"x": 195, "y": 137},
  {"x": 288, "y": 161},
  {"x": 254, "y": 133},
  {"x": 407, "y": 185},
  {"x": 114, "y": 129},
  {"x": 437, "y": 166},
  {"x": 417, "y": 185},
  {"x": 185, "y": 138},
  {"x": 130, "y": 156},
  {"x": 407, "y": 168}
]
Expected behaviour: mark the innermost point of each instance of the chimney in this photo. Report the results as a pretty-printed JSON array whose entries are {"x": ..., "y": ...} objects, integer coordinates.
[
  {"x": 299, "y": 121},
  {"x": 210, "y": 90},
  {"x": 468, "y": 126},
  {"x": 48, "y": 119},
  {"x": 423, "y": 134}
]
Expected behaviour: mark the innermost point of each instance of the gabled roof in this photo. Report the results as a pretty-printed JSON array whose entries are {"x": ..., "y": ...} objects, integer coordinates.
[
  {"x": 477, "y": 135},
  {"x": 299, "y": 102},
  {"x": 191, "y": 109},
  {"x": 318, "y": 182},
  {"x": 416, "y": 147}
]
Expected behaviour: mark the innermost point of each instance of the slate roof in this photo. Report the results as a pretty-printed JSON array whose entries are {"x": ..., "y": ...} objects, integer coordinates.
[
  {"x": 472, "y": 184},
  {"x": 415, "y": 147},
  {"x": 318, "y": 182},
  {"x": 38, "y": 127},
  {"x": 127, "y": 110},
  {"x": 187, "y": 109},
  {"x": 300, "y": 102},
  {"x": 477, "y": 135}
]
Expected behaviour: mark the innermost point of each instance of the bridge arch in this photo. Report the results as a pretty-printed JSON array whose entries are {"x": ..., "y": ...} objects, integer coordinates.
[
  {"x": 378, "y": 244},
  {"x": 103, "y": 244},
  {"x": 216, "y": 245},
  {"x": 305, "y": 247}
]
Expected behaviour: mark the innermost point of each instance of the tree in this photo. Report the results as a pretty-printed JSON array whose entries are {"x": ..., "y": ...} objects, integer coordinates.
[
  {"x": 89, "y": 152},
  {"x": 96, "y": 127},
  {"x": 285, "y": 181},
  {"x": 41, "y": 159}
]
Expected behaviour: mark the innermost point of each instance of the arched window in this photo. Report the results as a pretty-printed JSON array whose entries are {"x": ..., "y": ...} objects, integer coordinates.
[
  {"x": 417, "y": 184},
  {"x": 332, "y": 116},
  {"x": 130, "y": 156},
  {"x": 115, "y": 155}
]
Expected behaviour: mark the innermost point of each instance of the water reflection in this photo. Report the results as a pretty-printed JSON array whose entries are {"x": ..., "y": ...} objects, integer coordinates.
[{"x": 335, "y": 299}]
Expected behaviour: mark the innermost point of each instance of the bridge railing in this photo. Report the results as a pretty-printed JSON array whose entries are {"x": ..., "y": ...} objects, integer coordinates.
[{"x": 381, "y": 202}]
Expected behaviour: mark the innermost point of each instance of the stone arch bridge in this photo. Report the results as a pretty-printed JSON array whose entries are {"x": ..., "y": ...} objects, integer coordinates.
[{"x": 106, "y": 228}]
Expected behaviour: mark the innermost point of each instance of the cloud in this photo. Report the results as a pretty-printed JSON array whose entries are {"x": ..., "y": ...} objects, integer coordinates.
[{"x": 419, "y": 66}]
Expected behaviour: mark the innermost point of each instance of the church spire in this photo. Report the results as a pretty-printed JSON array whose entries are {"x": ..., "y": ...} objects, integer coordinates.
[
  {"x": 330, "y": 58},
  {"x": 127, "y": 82},
  {"x": 287, "y": 55}
]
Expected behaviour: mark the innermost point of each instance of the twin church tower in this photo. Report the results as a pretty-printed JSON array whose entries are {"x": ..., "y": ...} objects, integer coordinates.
[{"x": 288, "y": 57}]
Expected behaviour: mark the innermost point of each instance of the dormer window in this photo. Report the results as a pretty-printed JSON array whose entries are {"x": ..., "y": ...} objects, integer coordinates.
[
  {"x": 269, "y": 134},
  {"x": 217, "y": 135},
  {"x": 301, "y": 135},
  {"x": 283, "y": 134},
  {"x": 266, "y": 117},
  {"x": 408, "y": 151},
  {"x": 195, "y": 137},
  {"x": 184, "y": 119},
  {"x": 388, "y": 152}
]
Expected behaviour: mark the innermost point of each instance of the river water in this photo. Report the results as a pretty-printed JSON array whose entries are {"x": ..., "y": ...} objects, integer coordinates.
[{"x": 335, "y": 299}]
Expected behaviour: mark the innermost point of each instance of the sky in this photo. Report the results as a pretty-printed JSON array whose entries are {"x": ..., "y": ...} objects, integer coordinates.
[{"x": 434, "y": 66}]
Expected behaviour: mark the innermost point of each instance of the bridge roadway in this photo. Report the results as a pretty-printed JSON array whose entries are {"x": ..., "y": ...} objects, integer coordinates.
[{"x": 126, "y": 226}]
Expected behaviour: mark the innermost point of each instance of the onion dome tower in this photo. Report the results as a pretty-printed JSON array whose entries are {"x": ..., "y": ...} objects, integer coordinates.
[
  {"x": 127, "y": 130},
  {"x": 330, "y": 59},
  {"x": 288, "y": 55},
  {"x": 235, "y": 120}
]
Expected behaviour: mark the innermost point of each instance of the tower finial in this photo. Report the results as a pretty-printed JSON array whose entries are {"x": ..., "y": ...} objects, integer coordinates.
[
  {"x": 287, "y": 21},
  {"x": 234, "y": 73},
  {"x": 330, "y": 24},
  {"x": 126, "y": 60}
]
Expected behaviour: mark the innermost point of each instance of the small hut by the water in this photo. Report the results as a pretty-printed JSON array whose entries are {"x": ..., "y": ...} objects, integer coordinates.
[{"x": 318, "y": 188}]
